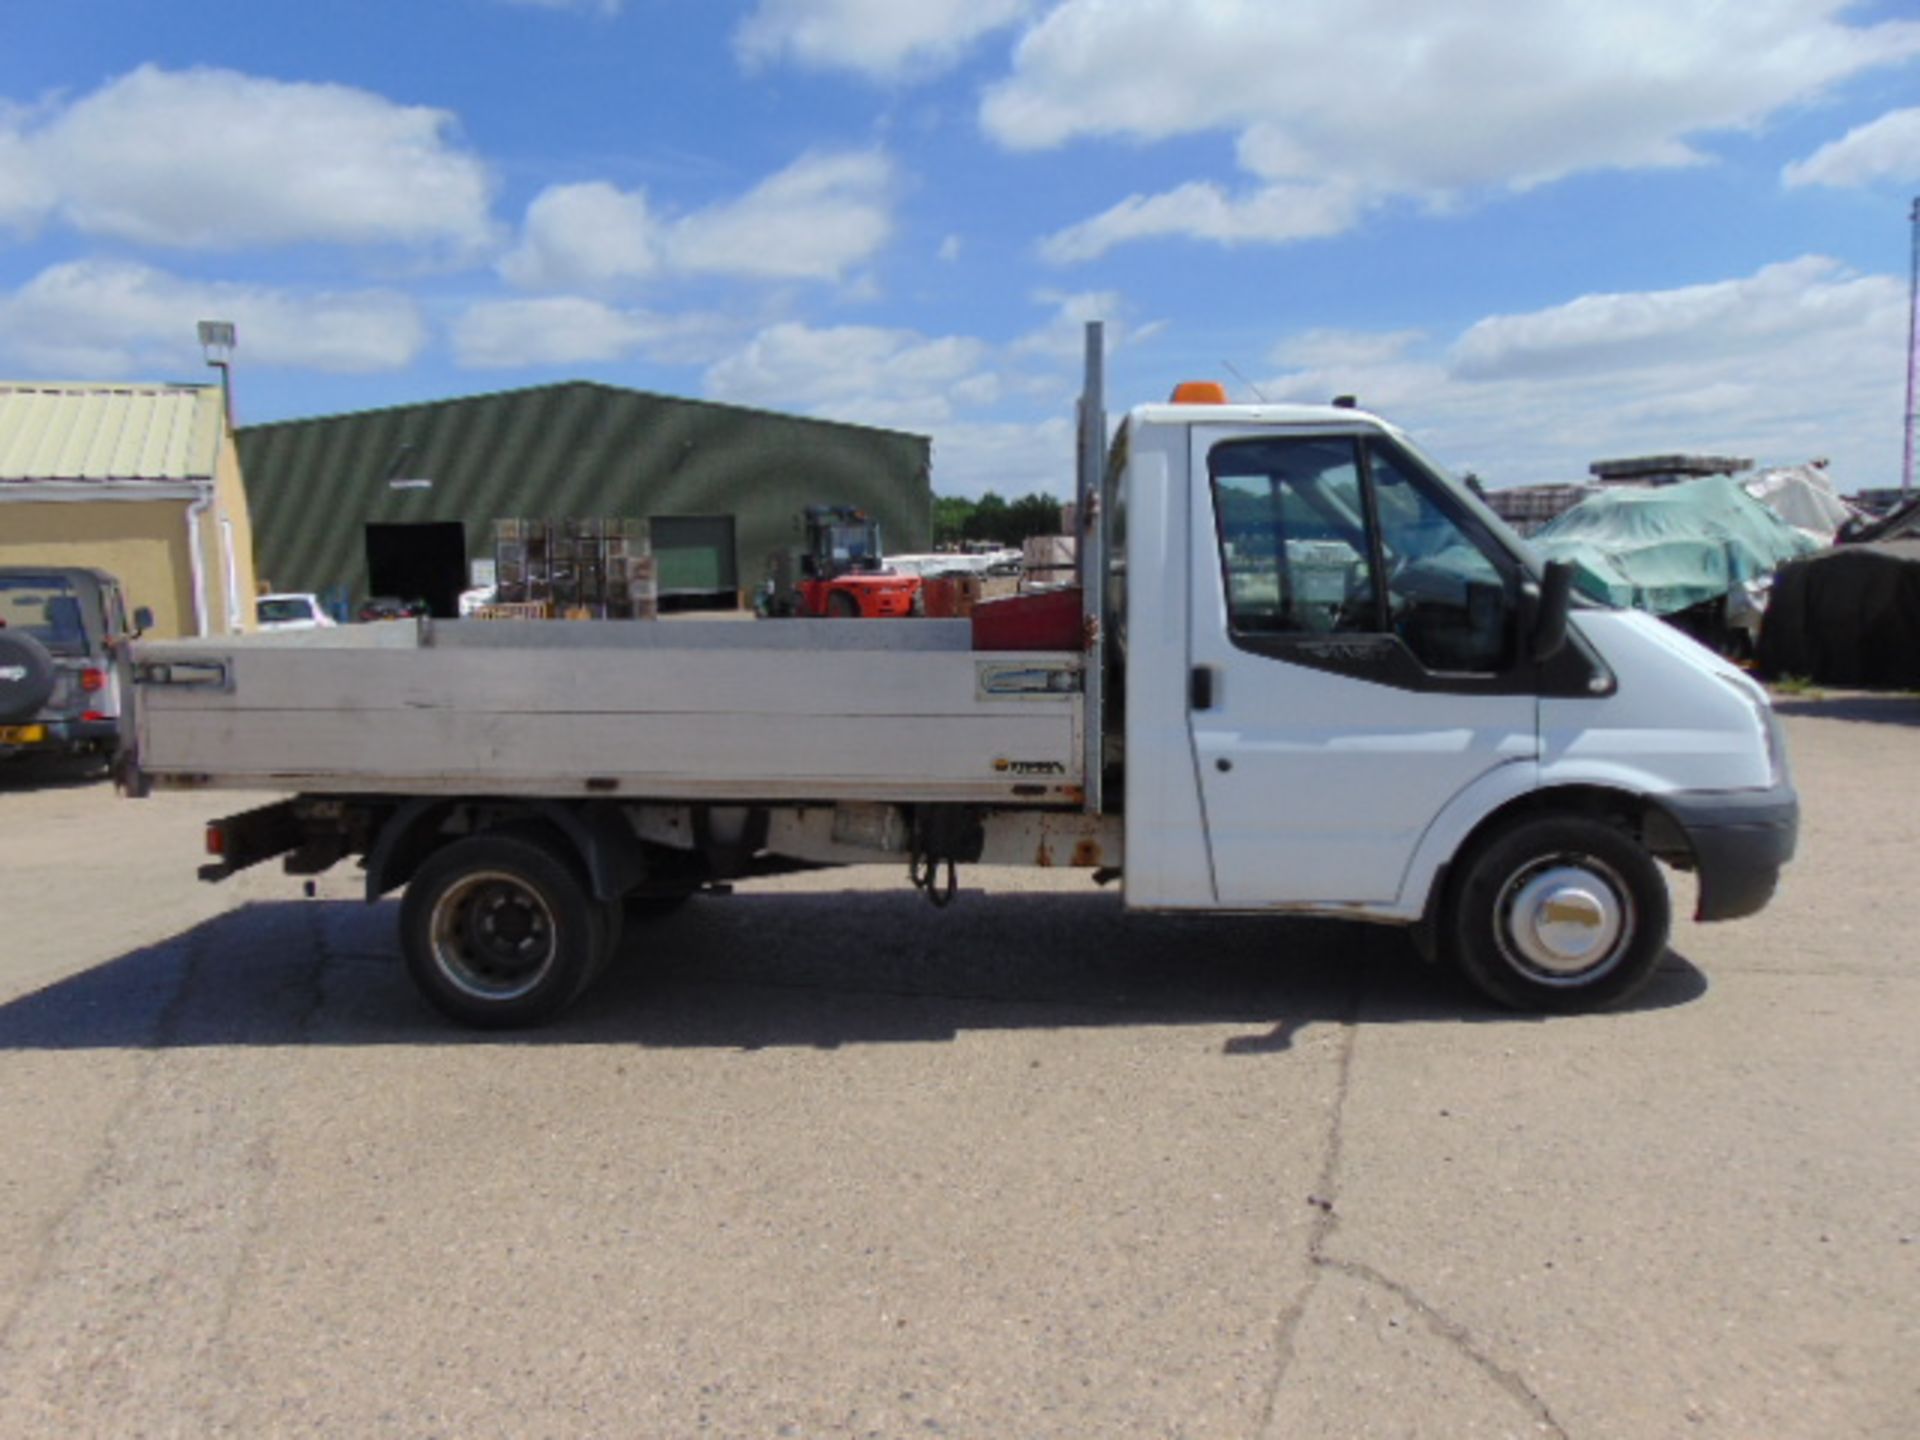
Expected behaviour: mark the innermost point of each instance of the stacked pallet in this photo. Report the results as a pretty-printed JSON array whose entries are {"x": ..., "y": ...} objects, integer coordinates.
[{"x": 593, "y": 569}]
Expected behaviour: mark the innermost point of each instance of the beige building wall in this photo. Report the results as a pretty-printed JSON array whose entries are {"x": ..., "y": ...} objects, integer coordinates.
[
  {"x": 230, "y": 530},
  {"x": 142, "y": 543}
]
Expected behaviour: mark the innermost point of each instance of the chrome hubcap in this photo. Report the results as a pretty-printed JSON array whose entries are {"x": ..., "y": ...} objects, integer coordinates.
[{"x": 1565, "y": 918}]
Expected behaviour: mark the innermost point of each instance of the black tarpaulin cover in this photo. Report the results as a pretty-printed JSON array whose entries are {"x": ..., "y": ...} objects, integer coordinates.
[{"x": 1847, "y": 617}]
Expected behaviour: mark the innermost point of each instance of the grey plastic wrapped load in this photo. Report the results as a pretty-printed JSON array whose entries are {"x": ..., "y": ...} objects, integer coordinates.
[{"x": 1672, "y": 547}]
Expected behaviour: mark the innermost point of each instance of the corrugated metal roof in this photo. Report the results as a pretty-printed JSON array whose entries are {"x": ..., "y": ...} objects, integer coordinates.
[{"x": 108, "y": 432}]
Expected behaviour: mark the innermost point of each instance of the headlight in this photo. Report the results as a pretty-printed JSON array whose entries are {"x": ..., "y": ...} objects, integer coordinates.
[{"x": 1769, "y": 726}]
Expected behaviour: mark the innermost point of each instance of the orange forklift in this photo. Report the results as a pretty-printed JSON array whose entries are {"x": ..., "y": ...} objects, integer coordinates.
[{"x": 841, "y": 573}]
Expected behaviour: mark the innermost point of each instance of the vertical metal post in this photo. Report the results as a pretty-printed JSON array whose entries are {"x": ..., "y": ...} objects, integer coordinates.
[
  {"x": 1913, "y": 353},
  {"x": 1091, "y": 555}
]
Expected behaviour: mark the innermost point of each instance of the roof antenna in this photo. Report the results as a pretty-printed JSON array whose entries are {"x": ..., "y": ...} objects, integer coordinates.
[{"x": 1234, "y": 370}]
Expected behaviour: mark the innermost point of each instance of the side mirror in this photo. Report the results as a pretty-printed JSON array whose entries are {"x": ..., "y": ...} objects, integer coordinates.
[
  {"x": 142, "y": 620},
  {"x": 1549, "y": 631}
]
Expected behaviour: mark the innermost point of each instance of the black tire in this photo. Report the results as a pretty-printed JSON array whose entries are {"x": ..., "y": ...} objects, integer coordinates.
[
  {"x": 842, "y": 606},
  {"x": 1559, "y": 914},
  {"x": 499, "y": 931},
  {"x": 26, "y": 676}
]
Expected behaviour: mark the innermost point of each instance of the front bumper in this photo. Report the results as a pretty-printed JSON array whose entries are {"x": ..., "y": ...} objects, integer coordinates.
[{"x": 1739, "y": 840}]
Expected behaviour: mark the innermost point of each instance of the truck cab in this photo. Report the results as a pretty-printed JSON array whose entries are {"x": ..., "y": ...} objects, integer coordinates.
[{"x": 1348, "y": 689}]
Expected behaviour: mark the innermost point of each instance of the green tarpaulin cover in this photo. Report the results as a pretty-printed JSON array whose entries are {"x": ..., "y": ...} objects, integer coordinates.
[{"x": 1670, "y": 547}]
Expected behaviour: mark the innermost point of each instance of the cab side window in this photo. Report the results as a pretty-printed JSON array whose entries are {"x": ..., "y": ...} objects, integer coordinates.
[
  {"x": 1333, "y": 535},
  {"x": 1293, "y": 536}
]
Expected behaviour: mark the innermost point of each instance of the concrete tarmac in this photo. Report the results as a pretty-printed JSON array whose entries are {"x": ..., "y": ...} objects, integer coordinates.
[{"x": 818, "y": 1160}]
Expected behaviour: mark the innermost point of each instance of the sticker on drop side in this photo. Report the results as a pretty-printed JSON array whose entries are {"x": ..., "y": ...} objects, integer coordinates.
[{"x": 1024, "y": 680}]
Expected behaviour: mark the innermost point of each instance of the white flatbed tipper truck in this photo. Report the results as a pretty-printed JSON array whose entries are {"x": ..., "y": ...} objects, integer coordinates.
[{"x": 1305, "y": 671}]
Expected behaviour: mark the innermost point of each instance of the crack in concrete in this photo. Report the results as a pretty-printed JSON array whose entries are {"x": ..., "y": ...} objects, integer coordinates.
[
  {"x": 1455, "y": 1334},
  {"x": 1327, "y": 1222},
  {"x": 1286, "y": 1329}
]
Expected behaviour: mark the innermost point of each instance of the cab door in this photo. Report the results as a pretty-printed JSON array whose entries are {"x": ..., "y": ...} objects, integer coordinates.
[{"x": 1354, "y": 640}]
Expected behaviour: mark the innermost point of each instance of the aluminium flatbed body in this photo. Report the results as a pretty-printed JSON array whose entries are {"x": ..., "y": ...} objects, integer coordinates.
[{"x": 795, "y": 710}]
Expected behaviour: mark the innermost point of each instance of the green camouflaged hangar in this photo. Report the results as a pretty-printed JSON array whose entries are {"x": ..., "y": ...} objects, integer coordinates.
[{"x": 402, "y": 501}]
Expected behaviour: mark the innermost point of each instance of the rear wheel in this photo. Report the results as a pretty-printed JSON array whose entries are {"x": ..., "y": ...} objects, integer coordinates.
[
  {"x": 1558, "y": 913},
  {"x": 499, "y": 931},
  {"x": 842, "y": 606}
]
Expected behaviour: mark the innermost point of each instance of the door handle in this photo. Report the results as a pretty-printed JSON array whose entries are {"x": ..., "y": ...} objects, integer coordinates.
[{"x": 1200, "y": 688}]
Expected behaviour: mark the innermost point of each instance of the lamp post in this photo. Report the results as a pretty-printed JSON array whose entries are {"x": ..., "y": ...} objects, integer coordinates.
[{"x": 216, "y": 343}]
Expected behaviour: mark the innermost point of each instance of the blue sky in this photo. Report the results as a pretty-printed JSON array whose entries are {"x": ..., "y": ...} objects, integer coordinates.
[{"x": 1536, "y": 232}]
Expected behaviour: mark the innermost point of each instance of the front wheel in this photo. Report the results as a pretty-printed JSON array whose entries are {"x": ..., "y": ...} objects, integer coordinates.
[
  {"x": 1558, "y": 913},
  {"x": 498, "y": 931}
]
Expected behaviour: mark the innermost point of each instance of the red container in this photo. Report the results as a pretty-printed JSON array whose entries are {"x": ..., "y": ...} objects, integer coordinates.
[
  {"x": 1039, "y": 620},
  {"x": 949, "y": 597}
]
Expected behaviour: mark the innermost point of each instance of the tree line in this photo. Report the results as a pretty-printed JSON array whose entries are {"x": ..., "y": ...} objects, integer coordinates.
[{"x": 992, "y": 518}]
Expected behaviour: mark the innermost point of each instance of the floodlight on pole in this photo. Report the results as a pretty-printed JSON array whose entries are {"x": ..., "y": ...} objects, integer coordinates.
[{"x": 216, "y": 343}]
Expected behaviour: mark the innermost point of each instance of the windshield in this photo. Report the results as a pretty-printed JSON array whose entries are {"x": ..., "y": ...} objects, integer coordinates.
[
  {"x": 855, "y": 545},
  {"x": 47, "y": 607},
  {"x": 1482, "y": 511},
  {"x": 279, "y": 611}
]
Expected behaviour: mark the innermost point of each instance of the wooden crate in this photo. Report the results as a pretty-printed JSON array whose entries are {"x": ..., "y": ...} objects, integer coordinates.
[{"x": 524, "y": 610}]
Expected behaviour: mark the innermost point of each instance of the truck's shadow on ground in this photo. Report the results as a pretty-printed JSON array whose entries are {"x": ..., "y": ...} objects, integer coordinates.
[
  {"x": 40, "y": 772},
  {"x": 755, "y": 971}
]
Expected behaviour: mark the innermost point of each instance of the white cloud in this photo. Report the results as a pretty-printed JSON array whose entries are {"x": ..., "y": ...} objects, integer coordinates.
[
  {"x": 1883, "y": 149},
  {"x": 1796, "y": 360},
  {"x": 1062, "y": 338},
  {"x": 1202, "y": 210},
  {"x": 587, "y": 234},
  {"x": 881, "y": 39},
  {"x": 1011, "y": 458},
  {"x": 90, "y": 318},
  {"x": 1337, "y": 104},
  {"x": 26, "y": 196},
  {"x": 574, "y": 330},
  {"x": 1778, "y": 305},
  {"x": 943, "y": 387},
  {"x": 851, "y": 372},
  {"x": 551, "y": 330},
  {"x": 814, "y": 220},
  {"x": 1329, "y": 349},
  {"x": 216, "y": 160}
]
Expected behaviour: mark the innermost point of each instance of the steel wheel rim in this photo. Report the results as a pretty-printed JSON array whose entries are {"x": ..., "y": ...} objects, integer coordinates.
[
  {"x": 493, "y": 936},
  {"x": 1565, "y": 920}
]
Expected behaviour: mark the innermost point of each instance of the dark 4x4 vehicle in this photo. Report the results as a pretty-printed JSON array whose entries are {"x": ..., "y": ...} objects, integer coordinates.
[{"x": 59, "y": 691}]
